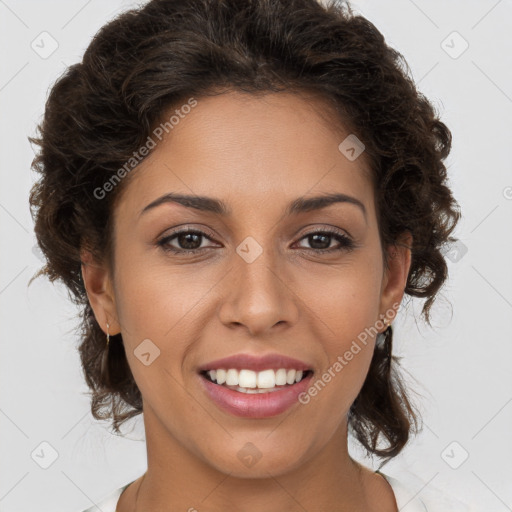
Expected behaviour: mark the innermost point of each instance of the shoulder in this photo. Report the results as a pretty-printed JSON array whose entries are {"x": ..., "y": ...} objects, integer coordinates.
[
  {"x": 108, "y": 503},
  {"x": 420, "y": 496}
]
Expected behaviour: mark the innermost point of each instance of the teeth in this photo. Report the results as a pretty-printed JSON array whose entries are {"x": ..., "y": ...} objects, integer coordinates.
[
  {"x": 281, "y": 377},
  {"x": 266, "y": 379},
  {"x": 221, "y": 376},
  {"x": 232, "y": 378},
  {"x": 248, "y": 381}
]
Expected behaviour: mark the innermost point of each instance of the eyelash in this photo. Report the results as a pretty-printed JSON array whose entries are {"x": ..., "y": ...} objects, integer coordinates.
[{"x": 346, "y": 244}]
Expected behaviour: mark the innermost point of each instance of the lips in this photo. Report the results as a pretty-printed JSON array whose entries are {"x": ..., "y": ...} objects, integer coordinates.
[
  {"x": 256, "y": 363},
  {"x": 253, "y": 406},
  {"x": 265, "y": 399}
]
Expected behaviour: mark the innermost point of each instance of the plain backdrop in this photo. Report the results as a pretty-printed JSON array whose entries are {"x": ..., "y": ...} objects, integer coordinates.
[{"x": 55, "y": 457}]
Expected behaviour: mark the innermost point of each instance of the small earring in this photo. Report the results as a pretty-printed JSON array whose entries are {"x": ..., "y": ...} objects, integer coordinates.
[
  {"x": 105, "y": 378},
  {"x": 386, "y": 323}
]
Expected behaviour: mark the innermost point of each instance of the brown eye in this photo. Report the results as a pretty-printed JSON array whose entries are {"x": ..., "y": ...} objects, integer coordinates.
[
  {"x": 320, "y": 241},
  {"x": 188, "y": 241}
]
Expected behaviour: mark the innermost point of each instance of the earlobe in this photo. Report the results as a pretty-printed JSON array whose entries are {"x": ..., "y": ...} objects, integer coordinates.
[
  {"x": 97, "y": 283},
  {"x": 396, "y": 274}
]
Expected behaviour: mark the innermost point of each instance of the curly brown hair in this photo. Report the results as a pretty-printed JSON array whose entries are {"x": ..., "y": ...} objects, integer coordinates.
[{"x": 148, "y": 59}]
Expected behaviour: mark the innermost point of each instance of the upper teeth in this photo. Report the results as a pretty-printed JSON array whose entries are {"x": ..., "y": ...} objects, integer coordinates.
[{"x": 250, "y": 379}]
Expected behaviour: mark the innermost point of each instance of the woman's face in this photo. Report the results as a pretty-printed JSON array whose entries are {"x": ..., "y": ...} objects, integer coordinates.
[{"x": 262, "y": 283}]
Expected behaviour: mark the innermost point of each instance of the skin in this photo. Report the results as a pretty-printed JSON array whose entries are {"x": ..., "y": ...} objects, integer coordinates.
[{"x": 257, "y": 154}]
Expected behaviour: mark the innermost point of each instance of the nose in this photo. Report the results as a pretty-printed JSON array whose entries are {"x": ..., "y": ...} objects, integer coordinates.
[{"x": 259, "y": 295}]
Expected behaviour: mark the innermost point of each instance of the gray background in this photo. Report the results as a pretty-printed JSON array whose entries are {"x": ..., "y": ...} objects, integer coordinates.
[{"x": 461, "y": 367}]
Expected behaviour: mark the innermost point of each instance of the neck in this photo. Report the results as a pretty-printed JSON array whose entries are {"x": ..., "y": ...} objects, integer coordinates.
[{"x": 179, "y": 479}]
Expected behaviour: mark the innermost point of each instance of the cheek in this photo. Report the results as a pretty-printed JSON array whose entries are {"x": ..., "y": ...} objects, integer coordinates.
[
  {"x": 347, "y": 311},
  {"x": 343, "y": 312},
  {"x": 347, "y": 314},
  {"x": 154, "y": 298},
  {"x": 161, "y": 310},
  {"x": 345, "y": 297}
]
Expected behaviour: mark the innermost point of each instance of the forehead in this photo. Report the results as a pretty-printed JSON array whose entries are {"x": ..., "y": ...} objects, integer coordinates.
[{"x": 250, "y": 151}]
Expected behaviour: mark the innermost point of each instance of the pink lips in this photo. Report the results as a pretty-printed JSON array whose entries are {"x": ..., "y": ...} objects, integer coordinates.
[
  {"x": 255, "y": 363},
  {"x": 255, "y": 405},
  {"x": 258, "y": 405}
]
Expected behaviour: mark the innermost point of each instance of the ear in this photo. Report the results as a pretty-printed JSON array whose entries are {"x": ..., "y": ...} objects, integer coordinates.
[
  {"x": 100, "y": 292},
  {"x": 395, "y": 275}
]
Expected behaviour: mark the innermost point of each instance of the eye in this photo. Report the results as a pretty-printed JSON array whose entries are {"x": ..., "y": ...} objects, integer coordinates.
[
  {"x": 188, "y": 239},
  {"x": 320, "y": 241}
]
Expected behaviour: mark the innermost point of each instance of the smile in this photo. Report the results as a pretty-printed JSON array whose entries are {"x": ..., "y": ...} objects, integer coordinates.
[
  {"x": 244, "y": 401},
  {"x": 249, "y": 381}
]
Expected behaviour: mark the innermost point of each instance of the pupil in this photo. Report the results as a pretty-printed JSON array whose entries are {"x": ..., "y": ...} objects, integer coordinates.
[
  {"x": 313, "y": 240},
  {"x": 188, "y": 243}
]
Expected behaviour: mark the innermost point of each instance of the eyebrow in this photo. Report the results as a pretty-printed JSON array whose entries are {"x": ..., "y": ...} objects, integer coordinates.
[{"x": 219, "y": 207}]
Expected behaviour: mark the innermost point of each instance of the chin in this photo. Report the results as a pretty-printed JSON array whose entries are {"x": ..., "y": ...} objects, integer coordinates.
[{"x": 252, "y": 462}]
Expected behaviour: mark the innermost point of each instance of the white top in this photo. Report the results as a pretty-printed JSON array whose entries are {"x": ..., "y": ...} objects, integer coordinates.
[{"x": 417, "y": 499}]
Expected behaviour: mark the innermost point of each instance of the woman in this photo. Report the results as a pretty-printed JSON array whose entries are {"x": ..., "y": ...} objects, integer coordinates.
[{"x": 239, "y": 194}]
